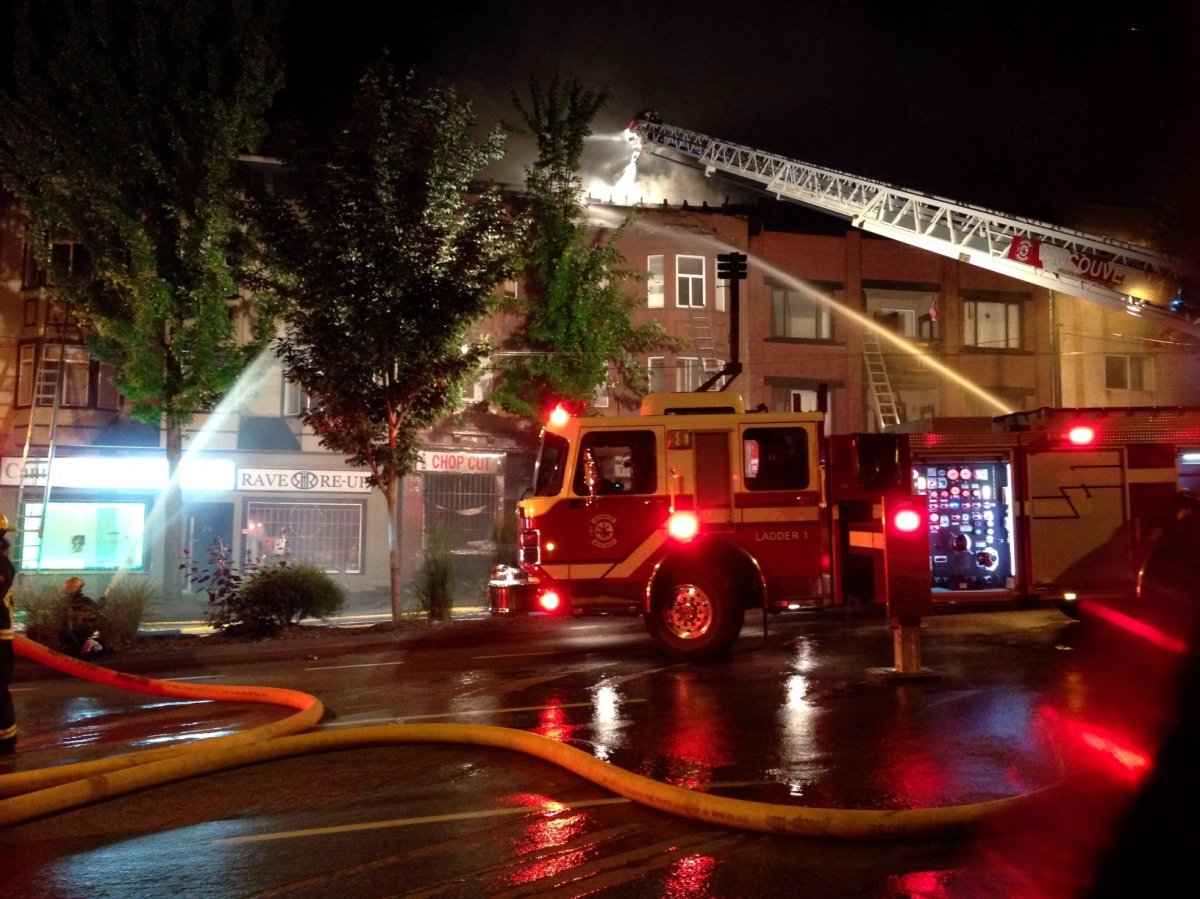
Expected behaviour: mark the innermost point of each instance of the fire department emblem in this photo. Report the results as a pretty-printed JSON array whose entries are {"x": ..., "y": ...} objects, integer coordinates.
[{"x": 603, "y": 531}]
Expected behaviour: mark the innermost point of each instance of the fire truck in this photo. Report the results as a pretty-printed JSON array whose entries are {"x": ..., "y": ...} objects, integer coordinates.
[{"x": 696, "y": 510}]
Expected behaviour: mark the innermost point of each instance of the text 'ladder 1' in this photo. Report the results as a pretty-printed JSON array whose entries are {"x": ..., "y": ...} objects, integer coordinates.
[{"x": 882, "y": 397}]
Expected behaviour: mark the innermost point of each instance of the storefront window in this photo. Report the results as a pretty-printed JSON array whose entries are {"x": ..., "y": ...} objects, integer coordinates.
[
  {"x": 79, "y": 536},
  {"x": 328, "y": 535}
]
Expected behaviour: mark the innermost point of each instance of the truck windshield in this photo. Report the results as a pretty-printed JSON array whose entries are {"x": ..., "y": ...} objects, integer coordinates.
[{"x": 551, "y": 460}]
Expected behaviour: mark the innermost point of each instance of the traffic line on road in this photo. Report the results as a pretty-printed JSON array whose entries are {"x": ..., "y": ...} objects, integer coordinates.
[
  {"x": 442, "y": 819},
  {"x": 356, "y": 665},
  {"x": 524, "y": 708}
]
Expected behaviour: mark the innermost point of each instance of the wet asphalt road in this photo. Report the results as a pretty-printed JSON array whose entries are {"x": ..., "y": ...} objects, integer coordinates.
[{"x": 1016, "y": 701}]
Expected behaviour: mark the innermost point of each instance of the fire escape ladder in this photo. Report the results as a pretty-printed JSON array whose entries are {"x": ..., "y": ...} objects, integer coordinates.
[
  {"x": 704, "y": 341},
  {"x": 883, "y": 399},
  {"x": 33, "y": 491}
]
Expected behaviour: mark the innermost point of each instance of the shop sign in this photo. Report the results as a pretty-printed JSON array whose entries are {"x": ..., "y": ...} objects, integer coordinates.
[
  {"x": 459, "y": 463},
  {"x": 117, "y": 473},
  {"x": 302, "y": 480}
]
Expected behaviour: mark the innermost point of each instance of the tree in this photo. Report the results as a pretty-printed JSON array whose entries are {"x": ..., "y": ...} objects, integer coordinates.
[
  {"x": 385, "y": 258},
  {"x": 120, "y": 128},
  {"x": 576, "y": 313}
]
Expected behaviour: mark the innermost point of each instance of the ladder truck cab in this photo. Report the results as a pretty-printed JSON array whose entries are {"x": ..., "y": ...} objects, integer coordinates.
[
  {"x": 1058, "y": 505},
  {"x": 696, "y": 510}
]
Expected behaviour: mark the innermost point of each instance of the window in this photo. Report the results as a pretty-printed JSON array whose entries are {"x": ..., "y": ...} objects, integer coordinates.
[
  {"x": 77, "y": 536},
  {"x": 478, "y": 390},
  {"x": 689, "y": 281},
  {"x": 1127, "y": 372},
  {"x": 775, "y": 458},
  {"x": 68, "y": 261},
  {"x": 31, "y": 312},
  {"x": 656, "y": 284},
  {"x": 687, "y": 373},
  {"x": 602, "y": 398},
  {"x": 548, "y": 472},
  {"x": 295, "y": 400},
  {"x": 992, "y": 325},
  {"x": 28, "y": 354},
  {"x": 75, "y": 375},
  {"x": 77, "y": 370},
  {"x": 107, "y": 395},
  {"x": 902, "y": 321},
  {"x": 656, "y": 374},
  {"x": 31, "y": 273},
  {"x": 722, "y": 292},
  {"x": 460, "y": 511},
  {"x": 327, "y": 535},
  {"x": 796, "y": 314},
  {"x": 625, "y": 463}
]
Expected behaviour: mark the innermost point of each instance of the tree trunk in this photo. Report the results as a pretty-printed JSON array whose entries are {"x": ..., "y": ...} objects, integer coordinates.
[
  {"x": 172, "y": 544},
  {"x": 392, "y": 493}
]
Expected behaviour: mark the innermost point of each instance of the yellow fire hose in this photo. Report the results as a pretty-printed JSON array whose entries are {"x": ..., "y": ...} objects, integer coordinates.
[{"x": 35, "y": 794}]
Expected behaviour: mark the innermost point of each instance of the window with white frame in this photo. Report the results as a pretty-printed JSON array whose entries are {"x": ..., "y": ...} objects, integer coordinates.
[
  {"x": 992, "y": 325},
  {"x": 689, "y": 281},
  {"x": 656, "y": 282},
  {"x": 327, "y": 535},
  {"x": 656, "y": 374},
  {"x": 722, "y": 292},
  {"x": 602, "y": 398},
  {"x": 1122, "y": 372},
  {"x": 295, "y": 400},
  {"x": 688, "y": 373},
  {"x": 68, "y": 365},
  {"x": 795, "y": 314},
  {"x": 480, "y": 389}
]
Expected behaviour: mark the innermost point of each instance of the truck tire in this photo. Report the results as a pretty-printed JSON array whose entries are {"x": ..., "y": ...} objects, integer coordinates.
[{"x": 695, "y": 617}]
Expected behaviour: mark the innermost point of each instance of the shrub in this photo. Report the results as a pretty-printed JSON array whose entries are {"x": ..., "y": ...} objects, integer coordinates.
[
  {"x": 270, "y": 598},
  {"x": 40, "y": 607},
  {"x": 123, "y": 608},
  {"x": 435, "y": 580}
]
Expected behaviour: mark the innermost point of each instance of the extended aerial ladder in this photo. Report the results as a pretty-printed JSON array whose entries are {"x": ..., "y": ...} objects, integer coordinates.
[{"x": 1101, "y": 269}]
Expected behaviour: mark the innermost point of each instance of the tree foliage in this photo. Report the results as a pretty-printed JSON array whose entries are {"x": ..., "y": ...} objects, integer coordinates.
[
  {"x": 385, "y": 258},
  {"x": 577, "y": 334},
  {"x": 121, "y": 128}
]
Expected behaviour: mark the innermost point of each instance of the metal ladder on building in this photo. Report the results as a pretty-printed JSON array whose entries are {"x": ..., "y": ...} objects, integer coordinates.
[
  {"x": 704, "y": 342},
  {"x": 883, "y": 399},
  {"x": 33, "y": 493}
]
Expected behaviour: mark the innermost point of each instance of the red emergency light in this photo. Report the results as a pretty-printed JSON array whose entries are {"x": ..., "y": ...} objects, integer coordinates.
[
  {"x": 1081, "y": 435},
  {"x": 907, "y": 520},
  {"x": 550, "y": 601},
  {"x": 683, "y": 525},
  {"x": 559, "y": 416}
]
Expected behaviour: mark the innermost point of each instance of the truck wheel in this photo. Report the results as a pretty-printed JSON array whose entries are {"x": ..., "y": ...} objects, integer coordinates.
[{"x": 695, "y": 618}]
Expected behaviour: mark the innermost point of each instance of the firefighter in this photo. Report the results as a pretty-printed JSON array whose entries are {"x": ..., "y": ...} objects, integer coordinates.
[
  {"x": 8, "y": 574},
  {"x": 83, "y": 617}
]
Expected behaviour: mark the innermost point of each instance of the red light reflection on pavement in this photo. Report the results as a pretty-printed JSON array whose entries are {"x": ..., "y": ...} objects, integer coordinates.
[
  {"x": 925, "y": 884},
  {"x": 690, "y": 877},
  {"x": 557, "y": 826},
  {"x": 695, "y": 744},
  {"x": 1147, "y": 632},
  {"x": 552, "y": 723},
  {"x": 1104, "y": 749}
]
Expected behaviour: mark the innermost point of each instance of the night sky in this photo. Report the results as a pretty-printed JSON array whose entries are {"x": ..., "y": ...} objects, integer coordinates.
[{"x": 1017, "y": 106}]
